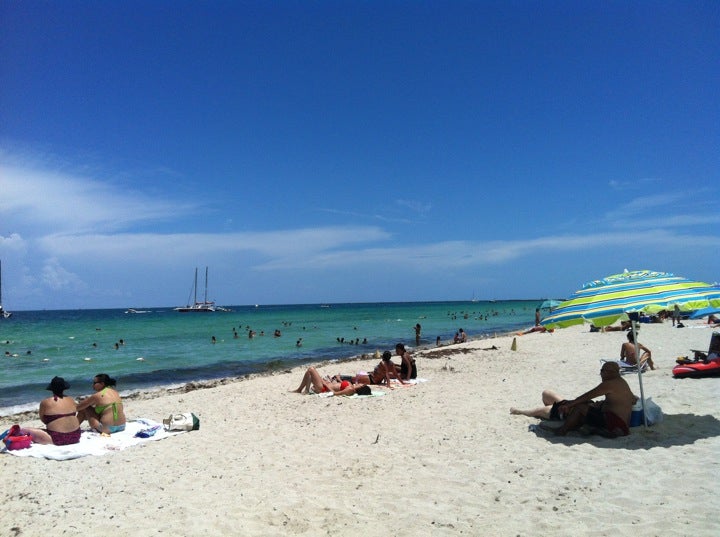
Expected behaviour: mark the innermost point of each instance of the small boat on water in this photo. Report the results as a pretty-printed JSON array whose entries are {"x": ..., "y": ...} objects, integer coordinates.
[
  {"x": 134, "y": 311},
  {"x": 205, "y": 306},
  {"x": 4, "y": 314}
]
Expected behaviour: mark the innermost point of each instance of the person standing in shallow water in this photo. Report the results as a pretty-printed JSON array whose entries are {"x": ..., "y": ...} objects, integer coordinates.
[{"x": 418, "y": 330}]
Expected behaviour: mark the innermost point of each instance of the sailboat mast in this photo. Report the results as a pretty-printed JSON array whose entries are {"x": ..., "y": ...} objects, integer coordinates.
[
  {"x": 206, "y": 275},
  {"x": 195, "y": 288}
]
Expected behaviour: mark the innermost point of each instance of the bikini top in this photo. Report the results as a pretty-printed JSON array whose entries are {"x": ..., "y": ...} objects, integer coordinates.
[
  {"x": 49, "y": 418},
  {"x": 99, "y": 409}
]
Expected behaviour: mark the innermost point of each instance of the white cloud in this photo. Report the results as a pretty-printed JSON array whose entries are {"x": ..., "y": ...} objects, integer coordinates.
[
  {"x": 419, "y": 207},
  {"x": 56, "y": 277},
  {"x": 71, "y": 233},
  {"x": 35, "y": 199},
  {"x": 13, "y": 242},
  {"x": 290, "y": 243}
]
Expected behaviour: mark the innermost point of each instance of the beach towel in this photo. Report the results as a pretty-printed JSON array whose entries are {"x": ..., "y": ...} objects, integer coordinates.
[
  {"x": 353, "y": 396},
  {"x": 92, "y": 443},
  {"x": 408, "y": 383}
]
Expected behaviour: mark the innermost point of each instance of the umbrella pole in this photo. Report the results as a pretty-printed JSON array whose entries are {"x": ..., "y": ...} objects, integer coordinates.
[{"x": 639, "y": 366}]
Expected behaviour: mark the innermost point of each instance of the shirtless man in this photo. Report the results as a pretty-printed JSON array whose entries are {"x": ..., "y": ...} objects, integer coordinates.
[
  {"x": 611, "y": 416},
  {"x": 627, "y": 352}
]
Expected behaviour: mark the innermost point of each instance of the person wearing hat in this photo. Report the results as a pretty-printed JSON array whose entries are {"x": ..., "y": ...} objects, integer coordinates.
[{"x": 58, "y": 413}]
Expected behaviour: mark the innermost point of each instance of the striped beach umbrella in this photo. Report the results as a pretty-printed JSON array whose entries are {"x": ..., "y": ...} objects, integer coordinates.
[{"x": 602, "y": 302}]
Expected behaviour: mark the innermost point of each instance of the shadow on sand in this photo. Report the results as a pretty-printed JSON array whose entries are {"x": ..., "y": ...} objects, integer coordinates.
[{"x": 675, "y": 430}]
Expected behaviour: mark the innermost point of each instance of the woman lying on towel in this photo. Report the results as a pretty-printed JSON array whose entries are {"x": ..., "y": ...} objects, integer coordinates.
[
  {"x": 104, "y": 409},
  {"x": 312, "y": 382},
  {"x": 58, "y": 414}
]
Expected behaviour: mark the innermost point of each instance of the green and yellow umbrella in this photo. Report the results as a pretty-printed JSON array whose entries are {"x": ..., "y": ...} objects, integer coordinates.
[{"x": 602, "y": 302}]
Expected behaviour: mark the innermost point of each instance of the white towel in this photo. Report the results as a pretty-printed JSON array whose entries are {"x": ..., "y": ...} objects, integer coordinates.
[{"x": 92, "y": 443}]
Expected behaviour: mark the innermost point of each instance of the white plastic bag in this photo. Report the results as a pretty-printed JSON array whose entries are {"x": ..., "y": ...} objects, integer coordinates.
[{"x": 653, "y": 413}]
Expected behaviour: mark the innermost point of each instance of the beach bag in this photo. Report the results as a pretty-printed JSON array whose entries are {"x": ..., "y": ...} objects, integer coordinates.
[
  {"x": 16, "y": 438},
  {"x": 187, "y": 421},
  {"x": 653, "y": 412}
]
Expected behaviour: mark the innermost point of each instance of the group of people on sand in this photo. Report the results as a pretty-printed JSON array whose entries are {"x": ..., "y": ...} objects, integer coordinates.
[
  {"x": 383, "y": 374},
  {"x": 62, "y": 415}
]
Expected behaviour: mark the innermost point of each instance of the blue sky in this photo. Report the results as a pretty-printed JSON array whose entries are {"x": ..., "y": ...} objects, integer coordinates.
[{"x": 337, "y": 151}]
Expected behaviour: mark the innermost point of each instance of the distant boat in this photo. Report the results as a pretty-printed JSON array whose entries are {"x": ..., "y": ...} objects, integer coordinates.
[
  {"x": 205, "y": 306},
  {"x": 3, "y": 313},
  {"x": 131, "y": 310},
  {"x": 324, "y": 305}
]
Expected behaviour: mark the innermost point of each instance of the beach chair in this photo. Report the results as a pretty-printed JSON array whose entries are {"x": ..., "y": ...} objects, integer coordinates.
[
  {"x": 626, "y": 367},
  {"x": 713, "y": 349}
]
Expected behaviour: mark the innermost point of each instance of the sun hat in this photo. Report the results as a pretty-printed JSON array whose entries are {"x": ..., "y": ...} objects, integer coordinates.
[{"x": 57, "y": 385}]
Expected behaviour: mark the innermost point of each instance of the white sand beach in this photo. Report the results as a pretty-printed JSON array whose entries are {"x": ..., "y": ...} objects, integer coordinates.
[{"x": 444, "y": 457}]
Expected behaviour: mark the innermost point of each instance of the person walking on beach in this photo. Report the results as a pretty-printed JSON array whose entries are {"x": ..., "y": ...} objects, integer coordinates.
[{"x": 537, "y": 316}]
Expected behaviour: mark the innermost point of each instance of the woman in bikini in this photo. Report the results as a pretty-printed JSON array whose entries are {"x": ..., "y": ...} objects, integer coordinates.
[
  {"x": 382, "y": 373},
  {"x": 104, "y": 409},
  {"x": 312, "y": 382},
  {"x": 58, "y": 414}
]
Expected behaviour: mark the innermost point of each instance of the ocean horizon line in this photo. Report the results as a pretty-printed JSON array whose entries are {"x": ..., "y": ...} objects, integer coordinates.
[{"x": 289, "y": 304}]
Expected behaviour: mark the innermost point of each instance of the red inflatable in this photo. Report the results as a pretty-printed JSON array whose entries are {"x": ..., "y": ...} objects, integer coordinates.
[{"x": 697, "y": 369}]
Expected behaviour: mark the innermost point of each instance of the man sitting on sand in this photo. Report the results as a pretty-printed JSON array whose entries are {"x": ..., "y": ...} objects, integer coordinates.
[{"x": 610, "y": 417}]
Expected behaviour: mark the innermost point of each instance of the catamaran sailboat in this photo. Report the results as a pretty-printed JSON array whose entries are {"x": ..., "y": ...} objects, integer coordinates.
[
  {"x": 198, "y": 307},
  {"x": 3, "y": 314}
]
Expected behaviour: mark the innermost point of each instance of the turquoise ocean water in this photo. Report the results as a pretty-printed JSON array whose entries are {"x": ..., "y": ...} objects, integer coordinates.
[{"x": 163, "y": 348}]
